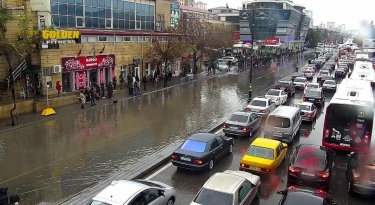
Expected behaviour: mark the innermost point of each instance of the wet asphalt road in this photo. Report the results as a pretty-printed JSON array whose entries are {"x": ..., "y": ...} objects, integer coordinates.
[
  {"x": 188, "y": 183},
  {"x": 56, "y": 159}
]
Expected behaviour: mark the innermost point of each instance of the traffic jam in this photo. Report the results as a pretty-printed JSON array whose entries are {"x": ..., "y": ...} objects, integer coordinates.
[{"x": 306, "y": 141}]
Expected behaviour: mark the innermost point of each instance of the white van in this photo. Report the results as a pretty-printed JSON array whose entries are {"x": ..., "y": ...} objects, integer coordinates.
[{"x": 362, "y": 57}]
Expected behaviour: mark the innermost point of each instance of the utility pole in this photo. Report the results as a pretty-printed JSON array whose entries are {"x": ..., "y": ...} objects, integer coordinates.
[{"x": 251, "y": 25}]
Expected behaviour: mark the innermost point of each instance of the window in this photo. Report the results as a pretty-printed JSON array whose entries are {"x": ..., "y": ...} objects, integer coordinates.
[
  {"x": 102, "y": 38},
  {"x": 281, "y": 122},
  {"x": 141, "y": 39},
  {"x": 239, "y": 118},
  {"x": 244, "y": 191},
  {"x": 214, "y": 144},
  {"x": 79, "y": 21},
  {"x": 84, "y": 39},
  {"x": 92, "y": 39},
  {"x": 260, "y": 152},
  {"x": 150, "y": 195},
  {"x": 127, "y": 38},
  {"x": 279, "y": 150},
  {"x": 138, "y": 200},
  {"x": 220, "y": 140},
  {"x": 119, "y": 38},
  {"x": 108, "y": 23},
  {"x": 194, "y": 146},
  {"x": 134, "y": 38},
  {"x": 259, "y": 103}
]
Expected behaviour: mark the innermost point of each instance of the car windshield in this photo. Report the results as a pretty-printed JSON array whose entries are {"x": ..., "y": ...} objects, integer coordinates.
[
  {"x": 295, "y": 198},
  {"x": 301, "y": 80},
  {"x": 261, "y": 152},
  {"x": 282, "y": 84},
  {"x": 281, "y": 122},
  {"x": 304, "y": 107},
  {"x": 259, "y": 103},
  {"x": 310, "y": 158},
  {"x": 329, "y": 82},
  {"x": 313, "y": 94},
  {"x": 273, "y": 92},
  {"x": 222, "y": 63},
  {"x": 239, "y": 118},
  {"x": 194, "y": 146},
  {"x": 212, "y": 197},
  {"x": 312, "y": 85},
  {"x": 341, "y": 69},
  {"x": 98, "y": 203}
]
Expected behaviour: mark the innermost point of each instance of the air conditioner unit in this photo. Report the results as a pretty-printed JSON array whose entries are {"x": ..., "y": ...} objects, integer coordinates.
[{"x": 56, "y": 69}]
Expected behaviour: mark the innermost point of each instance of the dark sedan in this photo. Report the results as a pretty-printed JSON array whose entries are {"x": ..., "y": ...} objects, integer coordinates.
[
  {"x": 311, "y": 165},
  {"x": 360, "y": 170},
  {"x": 201, "y": 151},
  {"x": 340, "y": 72},
  {"x": 242, "y": 124},
  {"x": 315, "y": 96},
  {"x": 302, "y": 195}
]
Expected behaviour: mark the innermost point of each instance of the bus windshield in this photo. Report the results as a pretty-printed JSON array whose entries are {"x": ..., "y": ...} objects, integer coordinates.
[{"x": 348, "y": 125}]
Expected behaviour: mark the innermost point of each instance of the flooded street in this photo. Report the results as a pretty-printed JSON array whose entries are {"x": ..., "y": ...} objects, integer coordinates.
[{"x": 58, "y": 158}]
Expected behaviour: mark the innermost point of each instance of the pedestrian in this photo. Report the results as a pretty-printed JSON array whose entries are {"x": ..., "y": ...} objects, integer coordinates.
[
  {"x": 110, "y": 90},
  {"x": 170, "y": 76},
  {"x": 92, "y": 96},
  {"x": 144, "y": 81},
  {"x": 102, "y": 88},
  {"x": 87, "y": 94},
  {"x": 137, "y": 90},
  {"x": 121, "y": 82},
  {"x": 58, "y": 88},
  {"x": 14, "y": 200},
  {"x": 97, "y": 87},
  {"x": 114, "y": 83},
  {"x": 82, "y": 97},
  {"x": 130, "y": 84}
]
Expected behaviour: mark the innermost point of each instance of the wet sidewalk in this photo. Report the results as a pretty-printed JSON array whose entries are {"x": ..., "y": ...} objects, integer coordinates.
[{"x": 118, "y": 95}]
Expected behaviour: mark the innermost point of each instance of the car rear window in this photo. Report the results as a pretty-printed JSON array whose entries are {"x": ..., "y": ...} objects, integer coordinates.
[
  {"x": 313, "y": 94},
  {"x": 239, "y": 118},
  {"x": 310, "y": 157},
  {"x": 273, "y": 92},
  {"x": 329, "y": 82},
  {"x": 280, "y": 84},
  {"x": 281, "y": 122},
  {"x": 295, "y": 198},
  {"x": 194, "y": 146},
  {"x": 259, "y": 103},
  {"x": 212, "y": 197},
  {"x": 301, "y": 80},
  {"x": 304, "y": 107},
  {"x": 312, "y": 86},
  {"x": 261, "y": 152}
]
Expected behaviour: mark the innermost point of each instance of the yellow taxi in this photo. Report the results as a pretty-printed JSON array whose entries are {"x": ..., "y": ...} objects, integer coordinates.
[{"x": 263, "y": 156}]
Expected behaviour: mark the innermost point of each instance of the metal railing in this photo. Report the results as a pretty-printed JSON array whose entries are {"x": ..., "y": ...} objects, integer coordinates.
[{"x": 17, "y": 72}]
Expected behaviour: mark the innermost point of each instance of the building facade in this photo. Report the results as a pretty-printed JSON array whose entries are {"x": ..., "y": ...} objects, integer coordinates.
[
  {"x": 91, "y": 41},
  {"x": 280, "y": 19},
  {"x": 200, "y": 5},
  {"x": 310, "y": 14}
]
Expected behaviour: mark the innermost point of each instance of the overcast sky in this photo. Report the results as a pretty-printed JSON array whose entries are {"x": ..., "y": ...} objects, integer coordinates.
[{"x": 350, "y": 13}]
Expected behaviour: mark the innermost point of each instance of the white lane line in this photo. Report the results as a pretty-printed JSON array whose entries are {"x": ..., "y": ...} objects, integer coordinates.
[
  {"x": 265, "y": 75},
  {"x": 167, "y": 165}
]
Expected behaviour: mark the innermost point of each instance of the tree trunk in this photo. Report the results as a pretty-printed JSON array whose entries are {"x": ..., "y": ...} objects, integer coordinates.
[
  {"x": 8, "y": 58},
  {"x": 165, "y": 74}
]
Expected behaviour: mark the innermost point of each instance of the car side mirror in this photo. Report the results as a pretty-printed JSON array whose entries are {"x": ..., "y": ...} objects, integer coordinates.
[{"x": 161, "y": 193}]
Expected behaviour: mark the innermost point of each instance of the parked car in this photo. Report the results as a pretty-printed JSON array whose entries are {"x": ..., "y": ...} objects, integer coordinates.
[
  {"x": 137, "y": 192},
  {"x": 360, "y": 172},
  {"x": 286, "y": 86},
  {"x": 329, "y": 86},
  {"x": 261, "y": 105},
  {"x": 300, "y": 83},
  {"x": 308, "y": 111},
  {"x": 242, "y": 124},
  {"x": 315, "y": 96},
  {"x": 229, "y": 187},
  {"x": 201, "y": 151},
  {"x": 303, "y": 195},
  {"x": 311, "y": 165},
  {"x": 263, "y": 156},
  {"x": 279, "y": 97}
]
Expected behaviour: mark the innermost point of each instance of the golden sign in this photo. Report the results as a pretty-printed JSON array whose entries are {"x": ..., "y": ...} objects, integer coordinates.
[{"x": 47, "y": 34}]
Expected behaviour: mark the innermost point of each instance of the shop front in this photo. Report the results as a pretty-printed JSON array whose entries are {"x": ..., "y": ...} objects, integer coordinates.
[{"x": 82, "y": 71}]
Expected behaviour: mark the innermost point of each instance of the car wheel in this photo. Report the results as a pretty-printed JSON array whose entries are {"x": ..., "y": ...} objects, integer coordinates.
[
  {"x": 231, "y": 149},
  {"x": 211, "y": 164},
  {"x": 251, "y": 132},
  {"x": 170, "y": 201}
]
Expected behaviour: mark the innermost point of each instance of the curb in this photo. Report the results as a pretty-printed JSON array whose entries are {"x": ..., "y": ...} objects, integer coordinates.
[{"x": 90, "y": 191}]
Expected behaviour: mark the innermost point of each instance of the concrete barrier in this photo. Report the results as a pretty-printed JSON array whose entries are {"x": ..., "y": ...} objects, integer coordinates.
[
  {"x": 39, "y": 106},
  {"x": 22, "y": 108}
]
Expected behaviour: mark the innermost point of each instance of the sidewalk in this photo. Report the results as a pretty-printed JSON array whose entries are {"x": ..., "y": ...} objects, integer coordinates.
[{"x": 121, "y": 94}]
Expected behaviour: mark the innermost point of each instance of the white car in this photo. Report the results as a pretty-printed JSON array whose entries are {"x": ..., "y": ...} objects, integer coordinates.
[
  {"x": 261, "y": 105},
  {"x": 229, "y": 58},
  {"x": 312, "y": 86},
  {"x": 222, "y": 66},
  {"x": 279, "y": 97},
  {"x": 300, "y": 83},
  {"x": 329, "y": 86}
]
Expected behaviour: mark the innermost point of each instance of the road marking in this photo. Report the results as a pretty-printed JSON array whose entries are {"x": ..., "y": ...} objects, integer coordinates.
[
  {"x": 265, "y": 75},
  {"x": 168, "y": 165}
]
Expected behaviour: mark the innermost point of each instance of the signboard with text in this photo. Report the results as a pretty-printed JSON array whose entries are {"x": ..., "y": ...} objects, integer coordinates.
[
  {"x": 87, "y": 62},
  {"x": 51, "y": 38},
  {"x": 272, "y": 41}
]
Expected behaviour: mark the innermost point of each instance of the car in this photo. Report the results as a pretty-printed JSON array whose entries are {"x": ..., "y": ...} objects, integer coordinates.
[
  {"x": 329, "y": 86},
  {"x": 263, "y": 156},
  {"x": 302, "y": 195},
  {"x": 201, "y": 150},
  {"x": 242, "y": 124},
  {"x": 312, "y": 86},
  {"x": 345, "y": 67},
  {"x": 296, "y": 74},
  {"x": 326, "y": 68},
  {"x": 311, "y": 166},
  {"x": 261, "y": 105},
  {"x": 279, "y": 97},
  {"x": 312, "y": 66},
  {"x": 360, "y": 172},
  {"x": 286, "y": 86},
  {"x": 309, "y": 73},
  {"x": 300, "y": 83},
  {"x": 321, "y": 74},
  {"x": 308, "y": 111},
  {"x": 318, "y": 63},
  {"x": 315, "y": 96},
  {"x": 232, "y": 60},
  {"x": 324, "y": 78},
  {"x": 340, "y": 72},
  {"x": 222, "y": 65},
  {"x": 137, "y": 192},
  {"x": 229, "y": 187}
]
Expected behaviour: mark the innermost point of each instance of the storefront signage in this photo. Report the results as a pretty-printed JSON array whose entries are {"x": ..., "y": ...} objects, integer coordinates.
[
  {"x": 87, "y": 62},
  {"x": 59, "y": 37},
  {"x": 272, "y": 41},
  {"x": 281, "y": 30}
]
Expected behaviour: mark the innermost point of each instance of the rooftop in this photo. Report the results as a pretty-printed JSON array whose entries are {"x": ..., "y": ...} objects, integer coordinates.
[
  {"x": 264, "y": 142},
  {"x": 223, "y": 182}
]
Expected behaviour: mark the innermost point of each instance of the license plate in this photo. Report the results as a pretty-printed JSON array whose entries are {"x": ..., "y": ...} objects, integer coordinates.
[
  {"x": 255, "y": 110},
  {"x": 345, "y": 145},
  {"x": 312, "y": 100},
  {"x": 186, "y": 159},
  {"x": 234, "y": 127},
  {"x": 308, "y": 174},
  {"x": 254, "y": 168},
  {"x": 371, "y": 182}
]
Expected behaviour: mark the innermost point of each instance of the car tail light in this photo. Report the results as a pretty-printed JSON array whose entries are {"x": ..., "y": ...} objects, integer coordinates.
[
  {"x": 366, "y": 139},
  {"x": 356, "y": 174},
  {"x": 319, "y": 100},
  {"x": 320, "y": 192},
  {"x": 294, "y": 170},
  {"x": 305, "y": 99},
  {"x": 244, "y": 166},
  {"x": 247, "y": 109},
  {"x": 174, "y": 157},
  {"x": 198, "y": 162},
  {"x": 323, "y": 175},
  {"x": 292, "y": 188},
  {"x": 326, "y": 133},
  {"x": 276, "y": 87},
  {"x": 244, "y": 128},
  {"x": 263, "y": 111},
  {"x": 225, "y": 125}
]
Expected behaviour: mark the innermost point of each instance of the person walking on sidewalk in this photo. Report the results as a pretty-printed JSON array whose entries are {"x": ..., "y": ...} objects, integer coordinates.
[
  {"x": 137, "y": 78},
  {"x": 102, "y": 88},
  {"x": 130, "y": 84},
  {"x": 83, "y": 99},
  {"x": 144, "y": 81},
  {"x": 114, "y": 83},
  {"x": 137, "y": 89},
  {"x": 110, "y": 90},
  {"x": 92, "y": 96},
  {"x": 170, "y": 77},
  {"x": 121, "y": 82},
  {"x": 58, "y": 88}
]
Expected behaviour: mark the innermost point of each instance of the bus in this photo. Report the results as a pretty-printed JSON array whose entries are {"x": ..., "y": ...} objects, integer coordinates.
[
  {"x": 349, "y": 117},
  {"x": 363, "y": 71}
]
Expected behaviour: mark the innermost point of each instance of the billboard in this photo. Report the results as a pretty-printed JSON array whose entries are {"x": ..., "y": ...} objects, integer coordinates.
[
  {"x": 175, "y": 15},
  {"x": 272, "y": 41}
]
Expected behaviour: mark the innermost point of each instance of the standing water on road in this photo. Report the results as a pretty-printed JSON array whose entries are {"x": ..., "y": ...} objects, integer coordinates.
[{"x": 56, "y": 159}]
